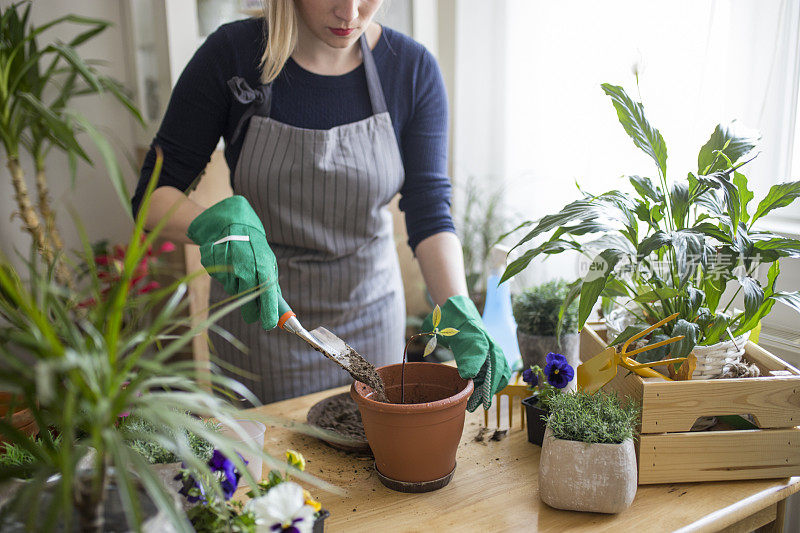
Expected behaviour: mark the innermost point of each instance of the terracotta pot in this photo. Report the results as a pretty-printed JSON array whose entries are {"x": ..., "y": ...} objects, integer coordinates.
[
  {"x": 578, "y": 476},
  {"x": 22, "y": 418},
  {"x": 415, "y": 442},
  {"x": 533, "y": 414}
]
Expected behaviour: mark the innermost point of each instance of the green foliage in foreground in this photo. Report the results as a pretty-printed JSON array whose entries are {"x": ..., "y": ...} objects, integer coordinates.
[{"x": 592, "y": 418}]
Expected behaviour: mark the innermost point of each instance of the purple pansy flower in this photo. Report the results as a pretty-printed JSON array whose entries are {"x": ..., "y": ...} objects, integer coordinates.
[
  {"x": 557, "y": 370},
  {"x": 529, "y": 377},
  {"x": 224, "y": 468}
]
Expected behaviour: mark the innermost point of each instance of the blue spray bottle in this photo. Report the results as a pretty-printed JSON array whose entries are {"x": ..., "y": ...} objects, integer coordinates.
[{"x": 497, "y": 316}]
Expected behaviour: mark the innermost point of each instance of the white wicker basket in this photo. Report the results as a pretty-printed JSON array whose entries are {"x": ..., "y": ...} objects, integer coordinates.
[{"x": 712, "y": 359}]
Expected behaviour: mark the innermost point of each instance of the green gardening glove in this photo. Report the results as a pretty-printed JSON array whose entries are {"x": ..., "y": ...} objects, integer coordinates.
[
  {"x": 230, "y": 234},
  {"x": 477, "y": 355}
]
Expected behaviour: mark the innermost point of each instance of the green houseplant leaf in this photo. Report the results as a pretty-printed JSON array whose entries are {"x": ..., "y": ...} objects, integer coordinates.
[
  {"x": 731, "y": 139},
  {"x": 601, "y": 269},
  {"x": 687, "y": 239},
  {"x": 778, "y": 196},
  {"x": 631, "y": 116}
]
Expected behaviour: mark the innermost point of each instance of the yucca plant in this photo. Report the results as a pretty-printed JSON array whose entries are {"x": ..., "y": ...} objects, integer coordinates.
[
  {"x": 37, "y": 83},
  {"x": 78, "y": 368},
  {"x": 674, "y": 245}
]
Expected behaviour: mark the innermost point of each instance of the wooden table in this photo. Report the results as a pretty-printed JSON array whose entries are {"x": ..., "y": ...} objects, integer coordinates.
[{"x": 495, "y": 489}]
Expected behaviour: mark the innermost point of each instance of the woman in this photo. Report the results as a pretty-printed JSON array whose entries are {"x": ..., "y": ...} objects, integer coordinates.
[{"x": 326, "y": 116}]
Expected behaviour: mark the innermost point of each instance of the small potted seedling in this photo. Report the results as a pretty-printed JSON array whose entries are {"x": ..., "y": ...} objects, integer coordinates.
[
  {"x": 415, "y": 435},
  {"x": 544, "y": 383},
  {"x": 541, "y": 326},
  {"x": 588, "y": 462}
]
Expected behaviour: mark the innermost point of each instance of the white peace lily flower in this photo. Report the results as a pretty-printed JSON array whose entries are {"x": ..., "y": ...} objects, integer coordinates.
[{"x": 283, "y": 508}]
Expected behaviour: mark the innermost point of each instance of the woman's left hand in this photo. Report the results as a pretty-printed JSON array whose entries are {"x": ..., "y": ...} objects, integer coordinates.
[{"x": 477, "y": 355}]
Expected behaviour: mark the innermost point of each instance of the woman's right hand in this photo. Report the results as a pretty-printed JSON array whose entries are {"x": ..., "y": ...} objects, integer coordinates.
[{"x": 234, "y": 251}]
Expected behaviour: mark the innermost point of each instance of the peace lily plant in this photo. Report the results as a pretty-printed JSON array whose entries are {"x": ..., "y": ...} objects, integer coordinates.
[{"x": 674, "y": 245}]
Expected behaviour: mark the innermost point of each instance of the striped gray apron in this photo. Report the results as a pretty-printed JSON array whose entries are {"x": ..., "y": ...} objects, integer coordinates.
[{"x": 322, "y": 196}]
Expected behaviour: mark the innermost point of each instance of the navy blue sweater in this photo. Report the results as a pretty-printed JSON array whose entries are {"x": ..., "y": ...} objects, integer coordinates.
[{"x": 202, "y": 109}]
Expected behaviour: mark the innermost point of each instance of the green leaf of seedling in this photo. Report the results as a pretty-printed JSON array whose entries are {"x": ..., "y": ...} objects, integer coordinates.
[
  {"x": 436, "y": 317},
  {"x": 448, "y": 332},
  {"x": 430, "y": 347}
]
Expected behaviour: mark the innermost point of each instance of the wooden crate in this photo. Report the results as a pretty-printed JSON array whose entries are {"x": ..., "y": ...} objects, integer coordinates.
[{"x": 668, "y": 452}]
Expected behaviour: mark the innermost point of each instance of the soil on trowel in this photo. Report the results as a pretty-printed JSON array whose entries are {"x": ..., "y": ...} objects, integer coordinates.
[
  {"x": 341, "y": 415},
  {"x": 363, "y": 371}
]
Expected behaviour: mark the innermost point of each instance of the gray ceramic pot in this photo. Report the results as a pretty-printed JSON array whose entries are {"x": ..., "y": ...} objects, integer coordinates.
[
  {"x": 578, "y": 476},
  {"x": 534, "y": 348}
]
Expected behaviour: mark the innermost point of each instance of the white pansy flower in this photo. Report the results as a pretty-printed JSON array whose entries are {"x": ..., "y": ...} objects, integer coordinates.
[{"x": 283, "y": 508}]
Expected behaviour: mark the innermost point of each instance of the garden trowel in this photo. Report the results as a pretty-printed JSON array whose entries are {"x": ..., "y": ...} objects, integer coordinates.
[
  {"x": 602, "y": 368},
  {"x": 333, "y": 348}
]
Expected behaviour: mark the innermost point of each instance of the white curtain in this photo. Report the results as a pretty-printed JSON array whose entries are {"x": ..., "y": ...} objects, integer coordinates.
[{"x": 529, "y": 112}]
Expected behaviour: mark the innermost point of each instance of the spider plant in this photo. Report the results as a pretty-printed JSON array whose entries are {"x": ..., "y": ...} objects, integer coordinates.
[
  {"x": 79, "y": 368},
  {"x": 674, "y": 245}
]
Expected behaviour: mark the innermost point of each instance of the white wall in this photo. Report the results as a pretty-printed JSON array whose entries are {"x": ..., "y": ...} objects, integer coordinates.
[{"x": 93, "y": 197}]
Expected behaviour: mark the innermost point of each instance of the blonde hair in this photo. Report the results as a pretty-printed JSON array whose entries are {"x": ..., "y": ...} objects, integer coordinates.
[{"x": 281, "y": 37}]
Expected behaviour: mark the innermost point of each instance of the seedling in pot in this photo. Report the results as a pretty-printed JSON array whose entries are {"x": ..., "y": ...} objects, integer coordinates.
[{"x": 436, "y": 318}]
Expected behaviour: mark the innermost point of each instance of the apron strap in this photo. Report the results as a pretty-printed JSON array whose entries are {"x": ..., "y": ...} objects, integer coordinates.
[
  {"x": 373, "y": 81},
  {"x": 258, "y": 102}
]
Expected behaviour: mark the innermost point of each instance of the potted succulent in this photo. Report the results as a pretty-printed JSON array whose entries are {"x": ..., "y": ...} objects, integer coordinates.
[
  {"x": 414, "y": 436},
  {"x": 544, "y": 383},
  {"x": 588, "y": 461},
  {"x": 537, "y": 312},
  {"x": 675, "y": 245}
]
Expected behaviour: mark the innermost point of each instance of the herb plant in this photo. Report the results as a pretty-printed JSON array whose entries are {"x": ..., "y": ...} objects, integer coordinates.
[
  {"x": 592, "y": 418},
  {"x": 156, "y": 453},
  {"x": 674, "y": 245},
  {"x": 536, "y": 310}
]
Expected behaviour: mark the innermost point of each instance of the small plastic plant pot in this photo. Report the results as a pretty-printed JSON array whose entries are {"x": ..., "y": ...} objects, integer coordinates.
[
  {"x": 253, "y": 436},
  {"x": 579, "y": 476},
  {"x": 533, "y": 416},
  {"x": 415, "y": 443}
]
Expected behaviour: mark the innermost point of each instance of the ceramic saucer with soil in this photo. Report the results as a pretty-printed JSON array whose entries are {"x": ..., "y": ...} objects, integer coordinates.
[{"x": 339, "y": 413}]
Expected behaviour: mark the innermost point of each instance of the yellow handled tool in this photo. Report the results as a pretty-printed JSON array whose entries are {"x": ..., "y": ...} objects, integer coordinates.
[{"x": 602, "y": 368}]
